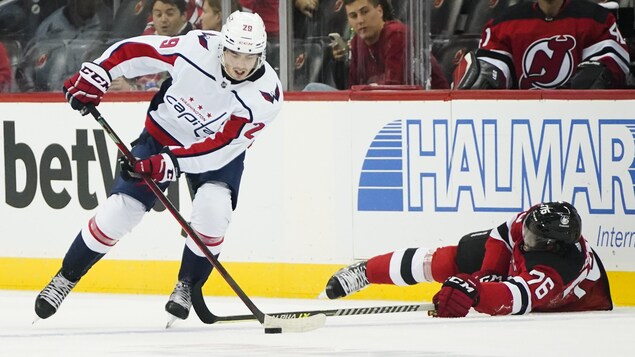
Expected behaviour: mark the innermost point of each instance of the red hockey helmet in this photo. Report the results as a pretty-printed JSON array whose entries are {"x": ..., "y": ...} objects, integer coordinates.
[{"x": 550, "y": 223}]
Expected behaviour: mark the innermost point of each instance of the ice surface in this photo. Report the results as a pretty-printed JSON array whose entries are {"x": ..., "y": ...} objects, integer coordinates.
[{"x": 134, "y": 325}]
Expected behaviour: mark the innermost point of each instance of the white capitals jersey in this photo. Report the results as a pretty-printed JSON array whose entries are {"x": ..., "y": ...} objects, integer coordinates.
[{"x": 207, "y": 120}]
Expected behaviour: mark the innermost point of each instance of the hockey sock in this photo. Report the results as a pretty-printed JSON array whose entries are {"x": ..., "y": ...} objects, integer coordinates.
[
  {"x": 401, "y": 267},
  {"x": 194, "y": 268},
  {"x": 411, "y": 266},
  {"x": 79, "y": 259}
]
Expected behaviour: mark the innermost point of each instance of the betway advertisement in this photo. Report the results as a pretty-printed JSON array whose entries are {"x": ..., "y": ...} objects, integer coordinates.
[{"x": 335, "y": 181}]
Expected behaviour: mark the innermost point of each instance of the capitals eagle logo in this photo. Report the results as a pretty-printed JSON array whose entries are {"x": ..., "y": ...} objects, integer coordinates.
[{"x": 271, "y": 97}]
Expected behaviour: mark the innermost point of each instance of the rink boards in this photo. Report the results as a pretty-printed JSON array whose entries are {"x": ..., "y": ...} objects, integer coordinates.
[{"x": 337, "y": 177}]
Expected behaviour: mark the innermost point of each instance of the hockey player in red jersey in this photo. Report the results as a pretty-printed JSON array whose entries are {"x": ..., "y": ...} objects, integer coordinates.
[
  {"x": 548, "y": 44},
  {"x": 221, "y": 95},
  {"x": 536, "y": 261}
]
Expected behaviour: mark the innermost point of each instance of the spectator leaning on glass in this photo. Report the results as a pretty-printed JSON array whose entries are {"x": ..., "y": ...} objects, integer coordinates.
[
  {"x": 548, "y": 44},
  {"x": 377, "y": 50}
]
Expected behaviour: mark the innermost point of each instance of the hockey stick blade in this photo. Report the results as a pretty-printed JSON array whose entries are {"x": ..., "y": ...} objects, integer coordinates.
[
  {"x": 295, "y": 324},
  {"x": 208, "y": 317}
]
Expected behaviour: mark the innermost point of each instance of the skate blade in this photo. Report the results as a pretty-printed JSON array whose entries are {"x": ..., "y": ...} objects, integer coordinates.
[
  {"x": 171, "y": 319},
  {"x": 323, "y": 295},
  {"x": 36, "y": 319}
]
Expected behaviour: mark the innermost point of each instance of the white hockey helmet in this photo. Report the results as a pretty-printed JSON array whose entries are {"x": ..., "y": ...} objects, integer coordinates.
[{"x": 244, "y": 32}]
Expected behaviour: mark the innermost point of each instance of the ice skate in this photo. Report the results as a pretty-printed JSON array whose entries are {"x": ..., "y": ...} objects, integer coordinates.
[
  {"x": 180, "y": 302},
  {"x": 51, "y": 297},
  {"x": 346, "y": 281}
]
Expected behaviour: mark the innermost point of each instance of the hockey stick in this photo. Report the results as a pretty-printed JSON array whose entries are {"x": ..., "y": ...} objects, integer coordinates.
[
  {"x": 209, "y": 318},
  {"x": 269, "y": 322}
]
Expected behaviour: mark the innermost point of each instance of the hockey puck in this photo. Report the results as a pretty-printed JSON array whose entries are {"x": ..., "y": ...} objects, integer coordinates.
[{"x": 273, "y": 330}]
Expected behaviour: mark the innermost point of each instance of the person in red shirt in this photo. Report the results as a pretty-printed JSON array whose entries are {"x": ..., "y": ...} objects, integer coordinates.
[
  {"x": 378, "y": 46},
  {"x": 548, "y": 44},
  {"x": 377, "y": 50},
  {"x": 536, "y": 261}
]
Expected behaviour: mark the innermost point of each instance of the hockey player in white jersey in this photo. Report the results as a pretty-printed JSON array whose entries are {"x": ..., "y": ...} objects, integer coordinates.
[{"x": 221, "y": 95}]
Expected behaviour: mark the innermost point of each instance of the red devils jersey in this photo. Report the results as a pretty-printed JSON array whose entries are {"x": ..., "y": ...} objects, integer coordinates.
[
  {"x": 569, "y": 280},
  {"x": 535, "y": 52}
]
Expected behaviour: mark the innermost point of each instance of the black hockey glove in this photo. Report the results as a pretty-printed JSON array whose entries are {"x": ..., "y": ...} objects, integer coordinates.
[
  {"x": 591, "y": 75},
  {"x": 127, "y": 170}
]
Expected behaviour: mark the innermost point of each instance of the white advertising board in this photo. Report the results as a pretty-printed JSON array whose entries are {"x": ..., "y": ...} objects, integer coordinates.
[
  {"x": 428, "y": 173},
  {"x": 330, "y": 182}
]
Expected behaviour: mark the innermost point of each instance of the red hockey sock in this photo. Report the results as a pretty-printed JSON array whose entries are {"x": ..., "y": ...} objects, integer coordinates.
[
  {"x": 444, "y": 263},
  {"x": 378, "y": 269}
]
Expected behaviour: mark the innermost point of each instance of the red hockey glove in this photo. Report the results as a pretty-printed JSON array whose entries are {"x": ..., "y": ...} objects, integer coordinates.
[
  {"x": 86, "y": 87},
  {"x": 161, "y": 167},
  {"x": 457, "y": 295}
]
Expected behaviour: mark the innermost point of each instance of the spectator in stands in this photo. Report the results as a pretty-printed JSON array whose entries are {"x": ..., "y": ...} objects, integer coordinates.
[
  {"x": 304, "y": 20},
  {"x": 169, "y": 18},
  {"x": 57, "y": 47},
  {"x": 268, "y": 11},
  {"x": 548, "y": 44},
  {"x": 306, "y": 7},
  {"x": 5, "y": 70},
  {"x": 78, "y": 19},
  {"x": 189, "y": 10},
  {"x": 123, "y": 84},
  {"x": 12, "y": 19},
  {"x": 36, "y": 11},
  {"x": 212, "y": 16},
  {"x": 377, "y": 50}
]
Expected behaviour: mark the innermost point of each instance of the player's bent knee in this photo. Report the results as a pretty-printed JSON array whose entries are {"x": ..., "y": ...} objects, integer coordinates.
[
  {"x": 212, "y": 210},
  {"x": 119, "y": 215},
  {"x": 115, "y": 218}
]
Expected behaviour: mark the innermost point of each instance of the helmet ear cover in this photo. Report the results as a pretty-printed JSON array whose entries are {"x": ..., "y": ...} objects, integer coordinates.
[{"x": 550, "y": 224}]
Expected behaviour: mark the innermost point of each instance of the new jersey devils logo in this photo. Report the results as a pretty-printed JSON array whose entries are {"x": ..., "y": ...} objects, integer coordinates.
[{"x": 548, "y": 62}]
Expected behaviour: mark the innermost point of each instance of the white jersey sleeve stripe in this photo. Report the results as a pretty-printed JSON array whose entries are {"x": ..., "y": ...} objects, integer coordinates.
[
  {"x": 502, "y": 234},
  {"x": 521, "y": 296},
  {"x": 608, "y": 48}
]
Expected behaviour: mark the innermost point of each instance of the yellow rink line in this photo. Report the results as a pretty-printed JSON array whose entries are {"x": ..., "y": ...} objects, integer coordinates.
[{"x": 281, "y": 280}]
